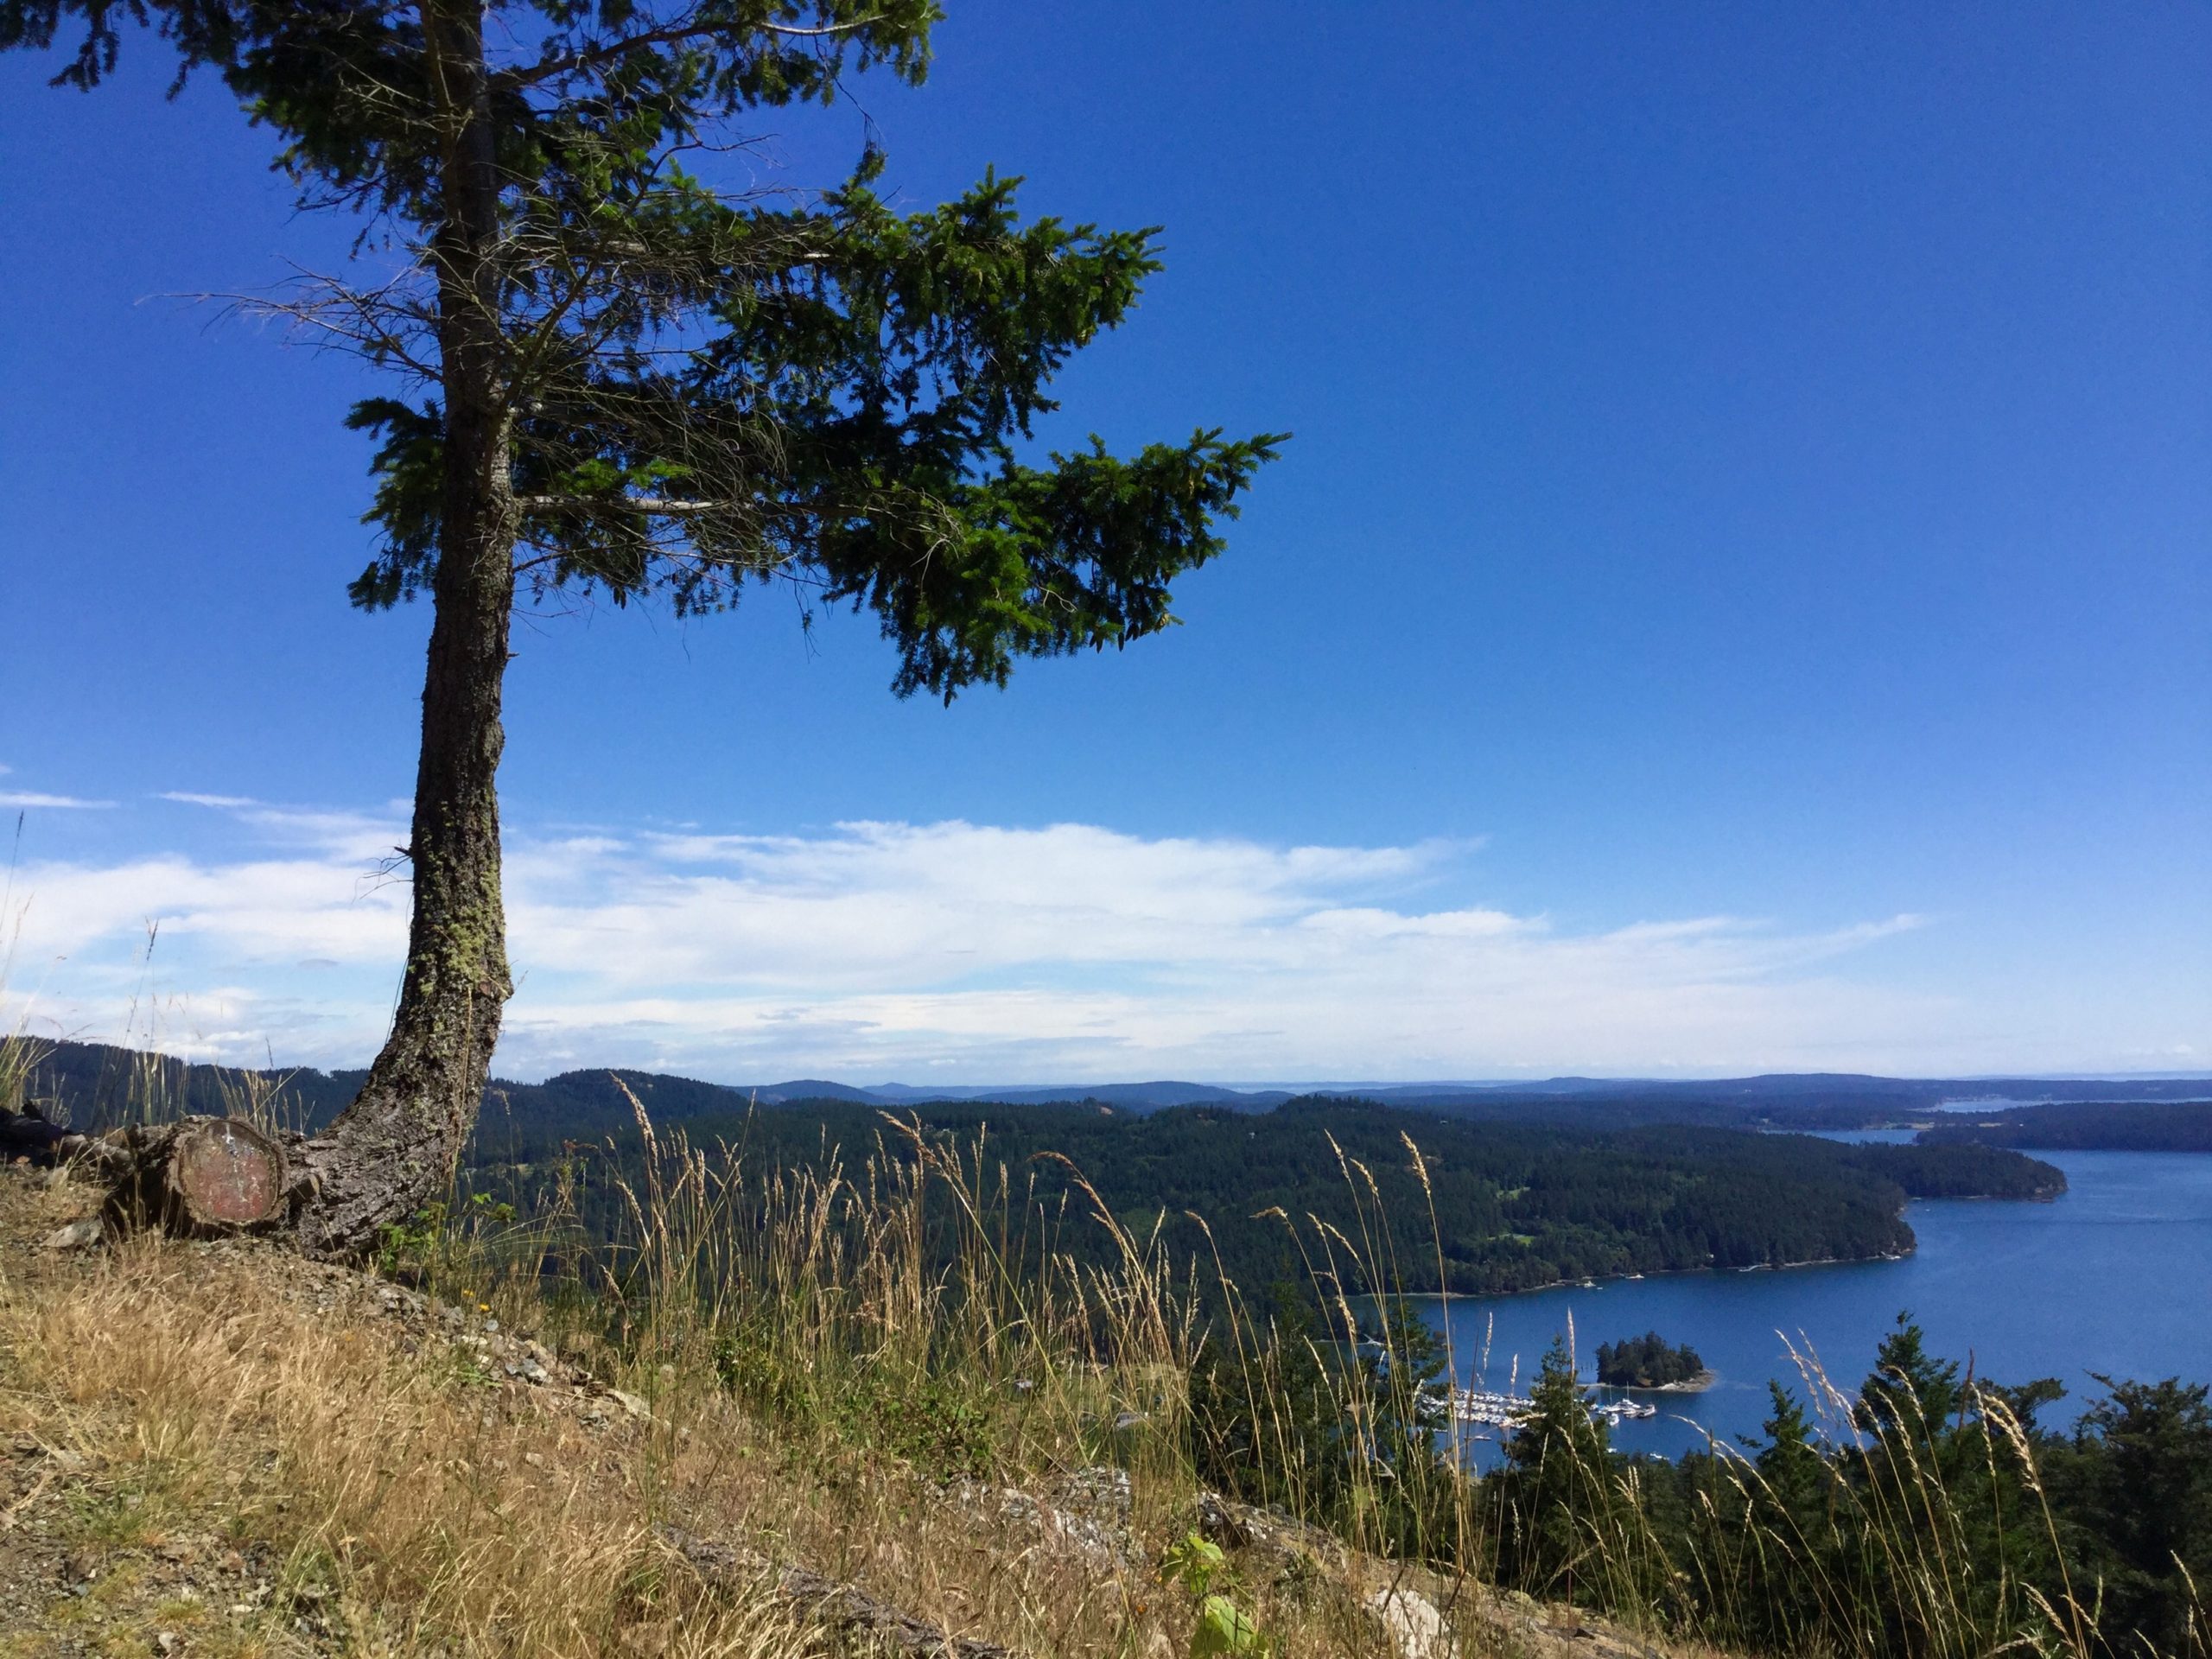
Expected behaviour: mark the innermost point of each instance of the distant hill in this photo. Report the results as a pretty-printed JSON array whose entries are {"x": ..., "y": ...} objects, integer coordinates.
[
  {"x": 1133, "y": 1097},
  {"x": 1527, "y": 1190},
  {"x": 777, "y": 1094},
  {"x": 2087, "y": 1126},
  {"x": 1777, "y": 1088},
  {"x": 96, "y": 1083}
]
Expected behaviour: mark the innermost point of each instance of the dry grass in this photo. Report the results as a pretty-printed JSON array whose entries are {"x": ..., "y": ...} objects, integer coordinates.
[
  {"x": 413, "y": 1511},
  {"x": 231, "y": 1398}
]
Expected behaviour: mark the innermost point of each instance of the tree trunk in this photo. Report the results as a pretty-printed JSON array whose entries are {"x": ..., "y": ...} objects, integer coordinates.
[{"x": 394, "y": 1148}]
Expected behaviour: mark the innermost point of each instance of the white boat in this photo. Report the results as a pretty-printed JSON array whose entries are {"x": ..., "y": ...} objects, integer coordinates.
[
  {"x": 1617, "y": 1410},
  {"x": 1491, "y": 1409},
  {"x": 1494, "y": 1410}
]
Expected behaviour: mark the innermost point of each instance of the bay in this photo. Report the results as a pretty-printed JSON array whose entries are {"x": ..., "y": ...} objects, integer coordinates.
[{"x": 2113, "y": 1277}]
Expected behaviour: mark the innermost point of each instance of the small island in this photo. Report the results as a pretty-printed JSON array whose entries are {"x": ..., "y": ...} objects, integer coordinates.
[{"x": 1646, "y": 1362}]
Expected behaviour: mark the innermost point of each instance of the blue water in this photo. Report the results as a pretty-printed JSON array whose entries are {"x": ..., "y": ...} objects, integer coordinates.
[{"x": 2116, "y": 1277}]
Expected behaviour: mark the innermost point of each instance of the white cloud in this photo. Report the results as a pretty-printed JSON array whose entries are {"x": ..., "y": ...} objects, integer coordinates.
[
  {"x": 961, "y": 952},
  {"x": 23, "y": 797}
]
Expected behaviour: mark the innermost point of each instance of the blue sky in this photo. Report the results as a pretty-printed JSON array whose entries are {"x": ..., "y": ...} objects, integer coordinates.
[{"x": 1737, "y": 598}]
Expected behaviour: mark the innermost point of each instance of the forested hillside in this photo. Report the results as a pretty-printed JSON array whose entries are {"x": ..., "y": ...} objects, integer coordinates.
[
  {"x": 1517, "y": 1203},
  {"x": 96, "y": 1085},
  {"x": 1515, "y": 1206},
  {"x": 2087, "y": 1126}
]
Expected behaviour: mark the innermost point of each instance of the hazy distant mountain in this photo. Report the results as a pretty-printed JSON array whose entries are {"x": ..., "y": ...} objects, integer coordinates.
[
  {"x": 777, "y": 1094},
  {"x": 96, "y": 1083},
  {"x": 1134, "y": 1096}
]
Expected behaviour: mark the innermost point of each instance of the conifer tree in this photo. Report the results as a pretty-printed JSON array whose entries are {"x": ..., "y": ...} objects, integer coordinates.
[
  {"x": 1560, "y": 1503},
  {"x": 1909, "y": 1392},
  {"x": 1790, "y": 1465},
  {"x": 610, "y": 377},
  {"x": 2142, "y": 1477}
]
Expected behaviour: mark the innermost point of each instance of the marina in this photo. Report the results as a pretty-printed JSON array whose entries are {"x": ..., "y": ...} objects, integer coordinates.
[{"x": 1491, "y": 1409}]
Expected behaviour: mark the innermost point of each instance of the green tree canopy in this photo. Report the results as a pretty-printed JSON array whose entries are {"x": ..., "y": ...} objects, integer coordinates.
[{"x": 805, "y": 386}]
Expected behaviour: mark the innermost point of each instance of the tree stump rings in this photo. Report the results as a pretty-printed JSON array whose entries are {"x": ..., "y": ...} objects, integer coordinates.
[{"x": 223, "y": 1174}]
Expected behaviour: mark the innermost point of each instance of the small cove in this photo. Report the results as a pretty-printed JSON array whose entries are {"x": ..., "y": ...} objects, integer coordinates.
[{"x": 2113, "y": 1277}]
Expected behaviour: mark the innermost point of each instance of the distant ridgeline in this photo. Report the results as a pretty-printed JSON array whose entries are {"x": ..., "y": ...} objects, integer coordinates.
[
  {"x": 2087, "y": 1126},
  {"x": 1526, "y": 1189},
  {"x": 97, "y": 1084}
]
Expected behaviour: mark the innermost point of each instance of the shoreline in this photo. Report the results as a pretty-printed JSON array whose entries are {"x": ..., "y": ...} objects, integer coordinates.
[
  {"x": 1698, "y": 1384},
  {"x": 1904, "y": 1210},
  {"x": 1649, "y": 1273}
]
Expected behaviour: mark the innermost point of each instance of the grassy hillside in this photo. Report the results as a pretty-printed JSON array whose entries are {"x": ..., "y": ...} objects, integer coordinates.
[
  {"x": 218, "y": 1450},
  {"x": 767, "y": 1406}
]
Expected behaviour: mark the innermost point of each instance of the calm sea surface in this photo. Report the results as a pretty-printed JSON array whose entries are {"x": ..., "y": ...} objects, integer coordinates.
[{"x": 2115, "y": 1277}]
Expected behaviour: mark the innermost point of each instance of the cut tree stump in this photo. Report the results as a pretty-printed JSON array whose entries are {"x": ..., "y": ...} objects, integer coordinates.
[
  {"x": 223, "y": 1174},
  {"x": 198, "y": 1177}
]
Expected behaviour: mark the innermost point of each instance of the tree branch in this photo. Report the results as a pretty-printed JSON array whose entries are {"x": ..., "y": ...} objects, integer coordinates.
[
  {"x": 551, "y": 68},
  {"x": 826, "y": 30},
  {"x": 667, "y": 34},
  {"x": 654, "y": 506}
]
